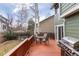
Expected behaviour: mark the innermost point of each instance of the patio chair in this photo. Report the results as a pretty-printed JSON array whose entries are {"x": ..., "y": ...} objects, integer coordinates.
[{"x": 45, "y": 38}]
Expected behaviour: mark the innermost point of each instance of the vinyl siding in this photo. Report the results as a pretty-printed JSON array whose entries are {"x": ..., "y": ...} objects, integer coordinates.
[
  {"x": 47, "y": 25},
  {"x": 72, "y": 26},
  {"x": 58, "y": 22},
  {"x": 64, "y": 7}
]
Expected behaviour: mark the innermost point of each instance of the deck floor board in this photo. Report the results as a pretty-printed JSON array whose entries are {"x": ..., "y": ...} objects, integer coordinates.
[{"x": 51, "y": 49}]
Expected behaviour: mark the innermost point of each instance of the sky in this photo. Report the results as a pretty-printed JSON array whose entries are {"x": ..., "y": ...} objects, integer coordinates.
[{"x": 11, "y": 8}]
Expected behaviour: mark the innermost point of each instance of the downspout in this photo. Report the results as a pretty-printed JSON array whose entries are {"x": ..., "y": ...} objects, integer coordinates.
[{"x": 55, "y": 24}]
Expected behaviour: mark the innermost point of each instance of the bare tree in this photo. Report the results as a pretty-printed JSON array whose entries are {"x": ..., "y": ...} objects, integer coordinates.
[
  {"x": 9, "y": 21},
  {"x": 31, "y": 24},
  {"x": 22, "y": 15}
]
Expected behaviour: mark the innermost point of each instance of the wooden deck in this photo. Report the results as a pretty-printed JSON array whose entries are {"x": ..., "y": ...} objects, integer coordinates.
[
  {"x": 50, "y": 49},
  {"x": 30, "y": 48}
]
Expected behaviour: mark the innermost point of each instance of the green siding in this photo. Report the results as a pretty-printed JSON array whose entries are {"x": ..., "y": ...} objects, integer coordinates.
[
  {"x": 58, "y": 22},
  {"x": 65, "y": 7},
  {"x": 72, "y": 26}
]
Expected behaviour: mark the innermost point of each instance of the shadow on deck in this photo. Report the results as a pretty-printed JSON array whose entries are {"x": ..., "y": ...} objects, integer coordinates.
[{"x": 30, "y": 48}]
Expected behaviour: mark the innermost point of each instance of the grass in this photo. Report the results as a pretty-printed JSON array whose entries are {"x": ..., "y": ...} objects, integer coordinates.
[{"x": 7, "y": 46}]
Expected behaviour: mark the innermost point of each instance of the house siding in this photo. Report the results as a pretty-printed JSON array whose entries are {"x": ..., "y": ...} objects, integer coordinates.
[
  {"x": 72, "y": 26},
  {"x": 64, "y": 7},
  {"x": 3, "y": 23},
  {"x": 47, "y": 25},
  {"x": 69, "y": 17},
  {"x": 59, "y": 22}
]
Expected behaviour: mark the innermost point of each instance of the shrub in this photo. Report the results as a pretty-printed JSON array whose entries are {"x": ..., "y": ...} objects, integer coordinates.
[
  {"x": 29, "y": 33},
  {"x": 10, "y": 35}
]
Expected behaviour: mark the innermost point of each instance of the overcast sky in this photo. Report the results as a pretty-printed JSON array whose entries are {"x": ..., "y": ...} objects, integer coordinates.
[{"x": 11, "y": 8}]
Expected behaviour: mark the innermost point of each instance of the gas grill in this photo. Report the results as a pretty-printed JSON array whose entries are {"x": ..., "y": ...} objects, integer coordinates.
[{"x": 69, "y": 46}]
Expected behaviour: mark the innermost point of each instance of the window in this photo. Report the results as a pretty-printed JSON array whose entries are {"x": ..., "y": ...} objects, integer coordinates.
[{"x": 4, "y": 27}]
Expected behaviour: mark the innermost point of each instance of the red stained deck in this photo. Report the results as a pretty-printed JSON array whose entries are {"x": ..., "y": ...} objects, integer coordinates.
[
  {"x": 30, "y": 48},
  {"x": 51, "y": 49}
]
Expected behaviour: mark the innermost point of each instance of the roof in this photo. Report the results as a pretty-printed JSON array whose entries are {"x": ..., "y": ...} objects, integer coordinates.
[
  {"x": 47, "y": 18},
  {"x": 5, "y": 20}
]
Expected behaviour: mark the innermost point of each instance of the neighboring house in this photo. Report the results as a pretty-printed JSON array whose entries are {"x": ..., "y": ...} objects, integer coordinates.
[
  {"x": 3, "y": 24},
  {"x": 3, "y": 27},
  {"x": 47, "y": 25},
  {"x": 67, "y": 20}
]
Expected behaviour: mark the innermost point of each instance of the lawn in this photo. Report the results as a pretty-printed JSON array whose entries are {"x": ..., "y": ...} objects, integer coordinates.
[{"x": 7, "y": 46}]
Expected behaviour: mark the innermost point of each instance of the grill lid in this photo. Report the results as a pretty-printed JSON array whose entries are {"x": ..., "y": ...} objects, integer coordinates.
[{"x": 70, "y": 41}]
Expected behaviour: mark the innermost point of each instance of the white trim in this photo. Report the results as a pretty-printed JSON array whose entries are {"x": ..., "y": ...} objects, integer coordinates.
[
  {"x": 71, "y": 11},
  {"x": 58, "y": 32},
  {"x": 59, "y": 25},
  {"x": 64, "y": 26}
]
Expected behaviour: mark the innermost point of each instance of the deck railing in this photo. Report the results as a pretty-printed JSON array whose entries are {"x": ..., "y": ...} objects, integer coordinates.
[{"x": 22, "y": 48}]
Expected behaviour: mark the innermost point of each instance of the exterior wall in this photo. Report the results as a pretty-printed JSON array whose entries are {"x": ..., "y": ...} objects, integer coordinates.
[
  {"x": 0, "y": 27},
  {"x": 3, "y": 24},
  {"x": 57, "y": 22},
  {"x": 47, "y": 25},
  {"x": 3, "y": 28},
  {"x": 72, "y": 26},
  {"x": 65, "y": 7},
  {"x": 1, "y": 34},
  {"x": 71, "y": 16}
]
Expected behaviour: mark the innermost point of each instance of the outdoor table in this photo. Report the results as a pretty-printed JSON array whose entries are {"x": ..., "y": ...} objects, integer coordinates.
[{"x": 40, "y": 38}]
